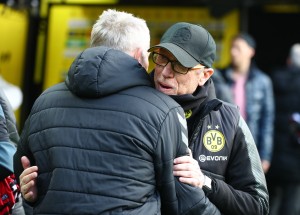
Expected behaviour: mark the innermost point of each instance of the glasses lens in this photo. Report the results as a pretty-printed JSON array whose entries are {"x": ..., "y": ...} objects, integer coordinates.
[
  {"x": 163, "y": 61},
  {"x": 159, "y": 59},
  {"x": 177, "y": 67}
]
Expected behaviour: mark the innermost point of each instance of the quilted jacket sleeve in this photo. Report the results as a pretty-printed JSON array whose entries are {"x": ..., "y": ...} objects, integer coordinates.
[
  {"x": 7, "y": 149},
  {"x": 176, "y": 197}
]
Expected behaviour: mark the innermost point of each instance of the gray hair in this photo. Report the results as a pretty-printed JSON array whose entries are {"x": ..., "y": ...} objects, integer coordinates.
[
  {"x": 121, "y": 31},
  {"x": 295, "y": 55}
]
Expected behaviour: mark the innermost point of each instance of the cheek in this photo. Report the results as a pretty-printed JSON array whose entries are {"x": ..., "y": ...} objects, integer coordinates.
[
  {"x": 192, "y": 85},
  {"x": 190, "y": 80},
  {"x": 183, "y": 82},
  {"x": 185, "y": 85},
  {"x": 156, "y": 74},
  {"x": 235, "y": 52}
]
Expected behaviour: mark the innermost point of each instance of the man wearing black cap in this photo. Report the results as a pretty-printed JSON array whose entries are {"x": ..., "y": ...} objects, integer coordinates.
[
  {"x": 222, "y": 146},
  {"x": 252, "y": 91}
]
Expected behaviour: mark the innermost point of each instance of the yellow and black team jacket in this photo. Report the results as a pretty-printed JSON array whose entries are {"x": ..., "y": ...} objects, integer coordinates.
[{"x": 222, "y": 144}]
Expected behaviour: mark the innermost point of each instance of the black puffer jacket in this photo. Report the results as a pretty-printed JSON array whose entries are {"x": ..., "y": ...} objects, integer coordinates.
[
  {"x": 105, "y": 140},
  {"x": 286, "y": 160}
]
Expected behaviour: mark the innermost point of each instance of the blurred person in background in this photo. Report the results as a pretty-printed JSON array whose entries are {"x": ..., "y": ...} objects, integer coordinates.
[
  {"x": 12, "y": 92},
  {"x": 10, "y": 198},
  {"x": 222, "y": 90},
  {"x": 284, "y": 174},
  {"x": 103, "y": 141},
  {"x": 252, "y": 91}
]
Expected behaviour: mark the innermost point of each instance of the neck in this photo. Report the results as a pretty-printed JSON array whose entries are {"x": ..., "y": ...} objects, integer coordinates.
[{"x": 243, "y": 69}]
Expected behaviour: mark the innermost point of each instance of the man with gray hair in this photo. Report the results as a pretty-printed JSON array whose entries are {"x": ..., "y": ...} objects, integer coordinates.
[
  {"x": 104, "y": 141},
  {"x": 284, "y": 177}
]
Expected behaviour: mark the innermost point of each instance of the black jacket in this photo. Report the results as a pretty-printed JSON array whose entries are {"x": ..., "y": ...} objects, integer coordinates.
[
  {"x": 286, "y": 160},
  {"x": 224, "y": 147},
  {"x": 105, "y": 141}
]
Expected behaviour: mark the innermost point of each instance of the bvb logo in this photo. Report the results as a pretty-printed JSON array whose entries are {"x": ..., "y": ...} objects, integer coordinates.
[
  {"x": 214, "y": 140},
  {"x": 188, "y": 114}
]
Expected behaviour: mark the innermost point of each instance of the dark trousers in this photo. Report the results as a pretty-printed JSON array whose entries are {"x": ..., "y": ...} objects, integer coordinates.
[{"x": 284, "y": 199}]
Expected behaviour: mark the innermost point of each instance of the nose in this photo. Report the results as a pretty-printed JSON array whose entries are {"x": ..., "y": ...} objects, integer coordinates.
[{"x": 168, "y": 71}]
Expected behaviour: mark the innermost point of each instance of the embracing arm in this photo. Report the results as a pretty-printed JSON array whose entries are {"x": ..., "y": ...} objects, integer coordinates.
[
  {"x": 28, "y": 179},
  {"x": 25, "y": 173},
  {"x": 181, "y": 198}
]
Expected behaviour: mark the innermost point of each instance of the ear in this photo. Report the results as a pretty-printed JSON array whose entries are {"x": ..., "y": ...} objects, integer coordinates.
[
  {"x": 252, "y": 52},
  {"x": 141, "y": 57},
  {"x": 205, "y": 75},
  {"x": 138, "y": 54}
]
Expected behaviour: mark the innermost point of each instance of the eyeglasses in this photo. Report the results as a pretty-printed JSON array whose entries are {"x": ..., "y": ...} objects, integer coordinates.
[{"x": 163, "y": 61}]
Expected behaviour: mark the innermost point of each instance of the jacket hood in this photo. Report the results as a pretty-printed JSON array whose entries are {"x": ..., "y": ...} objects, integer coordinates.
[{"x": 101, "y": 71}]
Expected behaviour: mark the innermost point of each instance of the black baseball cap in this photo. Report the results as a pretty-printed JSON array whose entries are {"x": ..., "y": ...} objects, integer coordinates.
[{"x": 191, "y": 44}]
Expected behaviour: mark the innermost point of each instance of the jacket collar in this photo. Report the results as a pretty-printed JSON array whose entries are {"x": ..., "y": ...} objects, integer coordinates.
[{"x": 101, "y": 71}]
